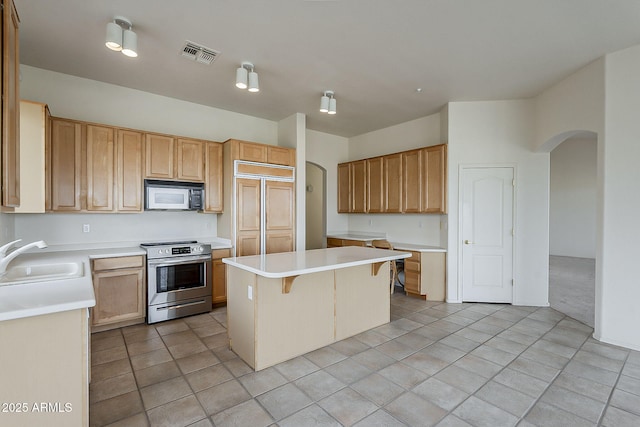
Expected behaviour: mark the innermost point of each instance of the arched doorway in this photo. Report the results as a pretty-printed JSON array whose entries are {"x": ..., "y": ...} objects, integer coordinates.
[
  {"x": 573, "y": 224},
  {"x": 316, "y": 210}
]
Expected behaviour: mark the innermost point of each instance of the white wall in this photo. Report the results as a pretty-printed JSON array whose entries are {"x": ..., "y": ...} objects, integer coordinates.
[
  {"x": 501, "y": 133},
  {"x": 88, "y": 100},
  {"x": 407, "y": 228},
  {"x": 572, "y": 205},
  {"x": 327, "y": 151},
  {"x": 292, "y": 134},
  {"x": 620, "y": 251},
  {"x": 575, "y": 103}
]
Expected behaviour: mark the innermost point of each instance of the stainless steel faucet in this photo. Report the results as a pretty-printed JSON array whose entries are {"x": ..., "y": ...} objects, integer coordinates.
[{"x": 6, "y": 259}]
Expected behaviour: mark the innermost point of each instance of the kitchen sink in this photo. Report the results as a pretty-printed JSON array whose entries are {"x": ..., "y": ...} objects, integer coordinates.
[{"x": 42, "y": 272}]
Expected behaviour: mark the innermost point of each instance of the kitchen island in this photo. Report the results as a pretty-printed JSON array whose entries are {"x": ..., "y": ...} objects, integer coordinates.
[{"x": 282, "y": 305}]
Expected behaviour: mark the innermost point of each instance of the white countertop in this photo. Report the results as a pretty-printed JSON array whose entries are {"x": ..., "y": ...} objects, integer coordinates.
[
  {"x": 416, "y": 248},
  {"x": 304, "y": 262},
  {"x": 38, "y": 298},
  {"x": 364, "y": 237}
]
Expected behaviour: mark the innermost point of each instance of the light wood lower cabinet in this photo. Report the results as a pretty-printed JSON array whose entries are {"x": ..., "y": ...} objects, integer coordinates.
[
  {"x": 219, "y": 275},
  {"x": 425, "y": 275},
  {"x": 120, "y": 290}
]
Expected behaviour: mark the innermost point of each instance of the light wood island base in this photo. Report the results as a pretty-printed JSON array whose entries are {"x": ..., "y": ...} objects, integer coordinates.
[{"x": 274, "y": 319}]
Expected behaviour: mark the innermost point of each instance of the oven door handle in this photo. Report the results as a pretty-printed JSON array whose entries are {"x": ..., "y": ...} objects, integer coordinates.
[{"x": 181, "y": 260}]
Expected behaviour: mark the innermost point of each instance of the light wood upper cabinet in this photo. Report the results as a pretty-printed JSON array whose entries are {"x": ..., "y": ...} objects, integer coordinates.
[
  {"x": 252, "y": 152},
  {"x": 375, "y": 185},
  {"x": 434, "y": 179},
  {"x": 393, "y": 183},
  {"x": 100, "y": 166},
  {"x": 344, "y": 188},
  {"x": 262, "y": 153},
  {"x": 190, "y": 160},
  {"x": 35, "y": 137},
  {"x": 129, "y": 171},
  {"x": 359, "y": 186},
  {"x": 65, "y": 165},
  {"x": 281, "y": 156},
  {"x": 159, "y": 158},
  {"x": 213, "y": 177},
  {"x": 10, "y": 106},
  {"x": 411, "y": 181}
]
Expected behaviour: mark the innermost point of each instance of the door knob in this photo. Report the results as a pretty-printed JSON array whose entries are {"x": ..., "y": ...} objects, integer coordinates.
[{"x": 468, "y": 242}]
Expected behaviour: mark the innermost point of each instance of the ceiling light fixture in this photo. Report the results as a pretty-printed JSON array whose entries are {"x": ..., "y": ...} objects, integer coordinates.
[
  {"x": 246, "y": 77},
  {"x": 328, "y": 102},
  {"x": 121, "y": 38}
]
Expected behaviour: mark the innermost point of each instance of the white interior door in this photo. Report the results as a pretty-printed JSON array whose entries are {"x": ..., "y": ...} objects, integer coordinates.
[{"x": 487, "y": 234}]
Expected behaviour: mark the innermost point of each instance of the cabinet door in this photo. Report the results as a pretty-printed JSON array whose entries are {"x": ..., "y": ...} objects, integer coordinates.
[
  {"x": 281, "y": 156},
  {"x": 359, "y": 186},
  {"x": 279, "y": 216},
  {"x": 190, "y": 160},
  {"x": 252, "y": 152},
  {"x": 100, "y": 162},
  {"x": 411, "y": 181},
  {"x": 375, "y": 185},
  {"x": 120, "y": 295},
  {"x": 10, "y": 107},
  {"x": 247, "y": 217},
  {"x": 130, "y": 155},
  {"x": 344, "y": 188},
  {"x": 393, "y": 183},
  {"x": 159, "y": 156},
  {"x": 434, "y": 179},
  {"x": 219, "y": 277},
  {"x": 412, "y": 279},
  {"x": 213, "y": 177},
  {"x": 65, "y": 158}
]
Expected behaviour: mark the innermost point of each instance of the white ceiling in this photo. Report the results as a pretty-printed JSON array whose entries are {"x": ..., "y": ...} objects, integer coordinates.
[{"x": 372, "y": 53}]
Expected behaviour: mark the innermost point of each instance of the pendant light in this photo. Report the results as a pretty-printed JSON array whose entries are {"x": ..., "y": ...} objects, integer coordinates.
[
  {"x": 328, "y": 102},
  {"x": 246, "y": 77},
  {"x": 121, "y": 38}
]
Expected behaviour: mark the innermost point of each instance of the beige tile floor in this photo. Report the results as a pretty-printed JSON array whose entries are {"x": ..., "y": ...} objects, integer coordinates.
[{"x": 434, "y": 364}]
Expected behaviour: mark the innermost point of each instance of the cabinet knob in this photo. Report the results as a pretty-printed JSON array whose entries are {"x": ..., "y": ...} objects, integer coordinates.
[{"x": 468, "y": 242}]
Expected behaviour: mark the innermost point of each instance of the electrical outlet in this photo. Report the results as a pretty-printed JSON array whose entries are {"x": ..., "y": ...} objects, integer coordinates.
[
  {"x": 370, "y": 222},
  {"x": 86, "y": 228},
  {"x": 250, "y": 292},
  {"x": 420, "y": 224}
]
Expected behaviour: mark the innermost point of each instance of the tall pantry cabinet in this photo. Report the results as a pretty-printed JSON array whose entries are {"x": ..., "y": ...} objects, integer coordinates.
[{"x": 260, "y": 185}]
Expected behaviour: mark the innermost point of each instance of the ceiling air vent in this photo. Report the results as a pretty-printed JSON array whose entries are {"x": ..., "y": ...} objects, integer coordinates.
[{"x": 199, "y": 53}]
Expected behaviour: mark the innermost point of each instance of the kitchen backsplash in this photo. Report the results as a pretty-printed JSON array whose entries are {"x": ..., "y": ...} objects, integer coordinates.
[{"x": 59, "y": 229}]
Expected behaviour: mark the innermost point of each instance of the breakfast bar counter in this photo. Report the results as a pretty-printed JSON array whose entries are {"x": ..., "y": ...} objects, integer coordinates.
[{"x": 282, "y": 305}]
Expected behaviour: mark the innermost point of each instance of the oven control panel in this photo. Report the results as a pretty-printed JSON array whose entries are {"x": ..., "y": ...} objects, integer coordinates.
[{"x": 169, "y": 251}]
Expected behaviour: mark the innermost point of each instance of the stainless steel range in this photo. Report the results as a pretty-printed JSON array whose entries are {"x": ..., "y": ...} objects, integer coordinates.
[{"x": 178, "y": 279}]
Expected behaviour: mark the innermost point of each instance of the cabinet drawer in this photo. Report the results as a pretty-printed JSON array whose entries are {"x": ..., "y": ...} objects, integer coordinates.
[
  {"x": 412, "y": 265},
  {"x": 220, "y": 253},
  {"x": 411, "y": 282},
  {"x": 118, "y": 262},
  {"x": 333, "y": 243}
]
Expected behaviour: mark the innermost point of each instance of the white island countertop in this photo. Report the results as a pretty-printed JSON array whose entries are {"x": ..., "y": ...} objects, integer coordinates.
[{"x": 288, "y": 264}]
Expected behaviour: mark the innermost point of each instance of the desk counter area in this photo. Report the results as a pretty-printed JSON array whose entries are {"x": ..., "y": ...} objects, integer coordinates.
[{"x": 283, "y": 305}]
